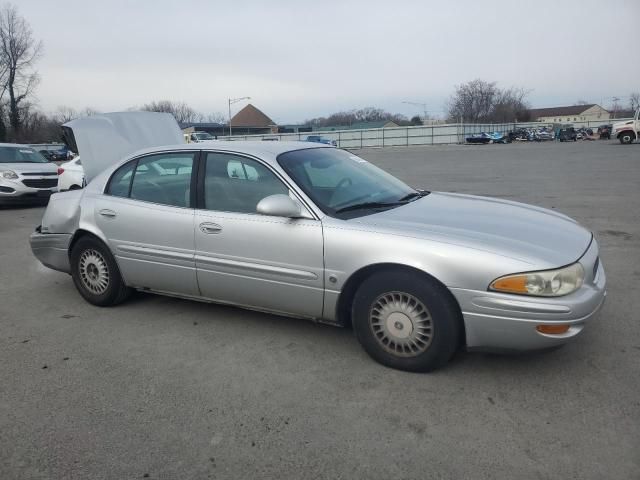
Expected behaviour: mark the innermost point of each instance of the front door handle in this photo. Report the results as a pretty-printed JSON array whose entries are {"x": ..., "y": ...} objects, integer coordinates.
[
  {"x": 105, "y": 212},
  {"x": 210, "y": 228}
]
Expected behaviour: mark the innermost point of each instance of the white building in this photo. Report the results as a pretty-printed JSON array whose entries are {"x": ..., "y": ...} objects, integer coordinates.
[{"x": 573, "y": 113}]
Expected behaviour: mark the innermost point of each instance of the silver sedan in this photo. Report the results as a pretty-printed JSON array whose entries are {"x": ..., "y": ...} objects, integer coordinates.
[{"x": 317, "y": 232}]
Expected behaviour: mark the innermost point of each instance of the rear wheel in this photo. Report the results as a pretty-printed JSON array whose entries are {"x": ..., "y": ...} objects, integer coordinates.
[
  {"x": 626, "y": 137},
  {"x": 407, "y": 321},
  {"x": 95, "y": 273}
]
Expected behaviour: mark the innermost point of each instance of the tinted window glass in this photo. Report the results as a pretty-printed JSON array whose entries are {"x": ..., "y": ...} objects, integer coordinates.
[
  {"x": 120, "y": 180},
  {"x": 237, "y": 184},
  {"x": 164, "y": 178}
]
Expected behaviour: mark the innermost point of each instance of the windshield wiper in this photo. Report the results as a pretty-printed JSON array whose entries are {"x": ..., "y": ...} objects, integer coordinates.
[
  {"x": 416, "y": 194},
  {"x": 368, "y": 205}
]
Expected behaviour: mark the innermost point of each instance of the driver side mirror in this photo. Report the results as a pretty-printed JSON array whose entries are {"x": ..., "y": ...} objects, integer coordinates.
[{"x": 279, "y": 206}]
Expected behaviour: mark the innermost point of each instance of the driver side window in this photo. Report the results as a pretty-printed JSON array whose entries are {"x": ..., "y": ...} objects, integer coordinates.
[{"x": 236, "y": 184}]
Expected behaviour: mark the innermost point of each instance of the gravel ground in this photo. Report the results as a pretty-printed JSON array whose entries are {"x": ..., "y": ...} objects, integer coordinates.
[{"x": 166, "y": 388}]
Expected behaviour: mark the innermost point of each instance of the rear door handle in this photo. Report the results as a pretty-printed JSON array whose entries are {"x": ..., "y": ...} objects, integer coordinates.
[
  {"x": 105, "y": 212},
  {"x": 210, "y": 228}
]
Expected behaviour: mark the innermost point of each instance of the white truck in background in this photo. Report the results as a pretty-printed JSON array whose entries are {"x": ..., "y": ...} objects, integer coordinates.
[{"x": 627, "y": 131}]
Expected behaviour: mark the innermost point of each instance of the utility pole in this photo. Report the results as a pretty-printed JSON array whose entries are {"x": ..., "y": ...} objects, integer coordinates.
[
  {"x": 424, "y": 109},
  {"x": 231, "y": 102}
]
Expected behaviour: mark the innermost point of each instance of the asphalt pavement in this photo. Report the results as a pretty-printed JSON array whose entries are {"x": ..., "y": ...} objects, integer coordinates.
[{"x": 163, "y": 388}]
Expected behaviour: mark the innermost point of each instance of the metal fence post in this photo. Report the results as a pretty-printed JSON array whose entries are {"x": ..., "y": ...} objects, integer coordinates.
[
  {"x": 360, "y": 138},
  {"x": 339, "y": 139},
  {"x": 407, "y": 130},
  {"x": 383, "y": 136}
]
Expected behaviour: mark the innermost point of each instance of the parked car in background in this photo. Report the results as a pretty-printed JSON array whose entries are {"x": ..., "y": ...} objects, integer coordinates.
[
  {"x": 71, "y": 175},
  {"x": 321, "y": 139},
  {"x": 567, "y": 134},
  {"x": 25, "y": 175},
  {"x": 48, "y": 154},
  {"x": 604, "y": 132},
  {"x": 485, "y": 138},
  {"x": 316, "y": 232},
  {"x": 62, "y": 154},
  {"x": 197, "y": 137},
  {"x": 627, "y": 132}
]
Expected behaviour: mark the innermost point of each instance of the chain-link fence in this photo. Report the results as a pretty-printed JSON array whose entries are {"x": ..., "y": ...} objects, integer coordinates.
[{"x": 414, "y": 135}]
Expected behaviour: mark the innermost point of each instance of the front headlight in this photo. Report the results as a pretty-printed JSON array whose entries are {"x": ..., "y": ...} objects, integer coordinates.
[
  {"x": 547, "y": 283},
  {"x": 9, "y": 174}
]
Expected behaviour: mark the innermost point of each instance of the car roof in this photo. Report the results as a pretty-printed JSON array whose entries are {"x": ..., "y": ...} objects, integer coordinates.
[
  {"x": 16, "y": 145},
  {"x": 268, "y": 151}
]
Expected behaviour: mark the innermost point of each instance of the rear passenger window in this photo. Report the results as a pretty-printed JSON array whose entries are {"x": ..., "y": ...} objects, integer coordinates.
[
  {"x": 237, "y": 184},
  {"x": 121, "y": 180},
  {"x": 164, "y": 178}
]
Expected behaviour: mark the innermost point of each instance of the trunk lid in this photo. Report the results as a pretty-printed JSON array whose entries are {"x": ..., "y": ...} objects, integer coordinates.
[{"x": 103, "y": 140}]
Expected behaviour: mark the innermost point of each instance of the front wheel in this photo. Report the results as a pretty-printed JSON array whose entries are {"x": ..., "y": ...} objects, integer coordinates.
[
  {"x": 407, "y": 321},
  {"x": 626, "y": 138},
  {"x": 96, "y": 274}
]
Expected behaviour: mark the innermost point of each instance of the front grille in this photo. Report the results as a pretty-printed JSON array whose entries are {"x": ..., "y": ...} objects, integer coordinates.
[
  {"x": 39, "y": 174},
  {"x": 41, "y": 183}
]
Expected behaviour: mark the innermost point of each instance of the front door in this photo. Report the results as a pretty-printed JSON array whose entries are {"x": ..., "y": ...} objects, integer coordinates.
[
  {"x": 147, "y": 217},
  {"x": 249, "y": 259}
]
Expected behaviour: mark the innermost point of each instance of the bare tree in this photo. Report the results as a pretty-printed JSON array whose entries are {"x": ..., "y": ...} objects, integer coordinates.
[
  {"x": 216, "y": 117},
  {"x": 472, "y": 101},
  {"x": 510, "y": 105},
  {"x": 64, "y": 114},
  {"x": 19, "y": 51},
  {"x": 634, "y": 101},
  {"x": 482, "y": 101},
  {"x": 181, "y": 111},
  {"x": 367, "y": 114}
]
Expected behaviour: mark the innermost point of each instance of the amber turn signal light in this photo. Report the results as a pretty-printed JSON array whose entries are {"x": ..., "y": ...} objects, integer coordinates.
[{"x": 553, "y": 329}]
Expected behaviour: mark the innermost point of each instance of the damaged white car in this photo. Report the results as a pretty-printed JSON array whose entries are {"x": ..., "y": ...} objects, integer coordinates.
[{"x": 316, "y": 232}]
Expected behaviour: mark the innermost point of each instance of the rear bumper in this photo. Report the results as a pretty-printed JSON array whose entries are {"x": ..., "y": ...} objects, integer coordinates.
[{"x": 52, "y": 249}]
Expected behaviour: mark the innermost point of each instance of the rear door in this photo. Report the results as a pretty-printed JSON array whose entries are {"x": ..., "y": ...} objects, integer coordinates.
[
  {"x": 148, "y": 219},
  {"x": 245, "y": 258}
]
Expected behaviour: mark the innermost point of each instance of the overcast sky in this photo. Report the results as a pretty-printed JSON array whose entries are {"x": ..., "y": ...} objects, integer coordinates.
[{"x": 301, "y": 59}]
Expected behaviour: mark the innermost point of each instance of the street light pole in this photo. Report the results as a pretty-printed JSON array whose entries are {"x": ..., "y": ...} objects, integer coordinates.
[
  {"x": 231, "y": 102},
  {"x": 424, "y": 108}
]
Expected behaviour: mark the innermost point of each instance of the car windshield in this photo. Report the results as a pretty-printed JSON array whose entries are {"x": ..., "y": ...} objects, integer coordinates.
[
  {"x": 343, "y": 184},
  {"x": 20, "y": 155},
  {"x": 203, "y": 136}
]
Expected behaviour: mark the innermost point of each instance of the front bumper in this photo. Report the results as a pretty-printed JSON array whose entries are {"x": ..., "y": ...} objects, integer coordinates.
[
  {"x": 13, "y": 192},
  {"x": 503, "y": 322},
  {"x": 52, "y": 249}
]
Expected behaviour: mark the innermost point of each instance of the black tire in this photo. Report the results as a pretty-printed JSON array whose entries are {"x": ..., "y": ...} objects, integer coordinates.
[
  {"x": 98, "y": 269},
  {"x": 371, "y": 326},
  {"x": 626, "y": 138},
  {"x": 75, "y": 187}
]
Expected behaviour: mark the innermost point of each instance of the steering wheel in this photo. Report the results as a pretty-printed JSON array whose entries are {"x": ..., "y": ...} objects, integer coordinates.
[
  {"x": 340, "y": 194},
  {"x": 345, "y": 181}
]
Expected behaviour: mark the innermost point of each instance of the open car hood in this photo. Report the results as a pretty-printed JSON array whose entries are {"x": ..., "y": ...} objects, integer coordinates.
[{"x": 103, "y": 140}]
